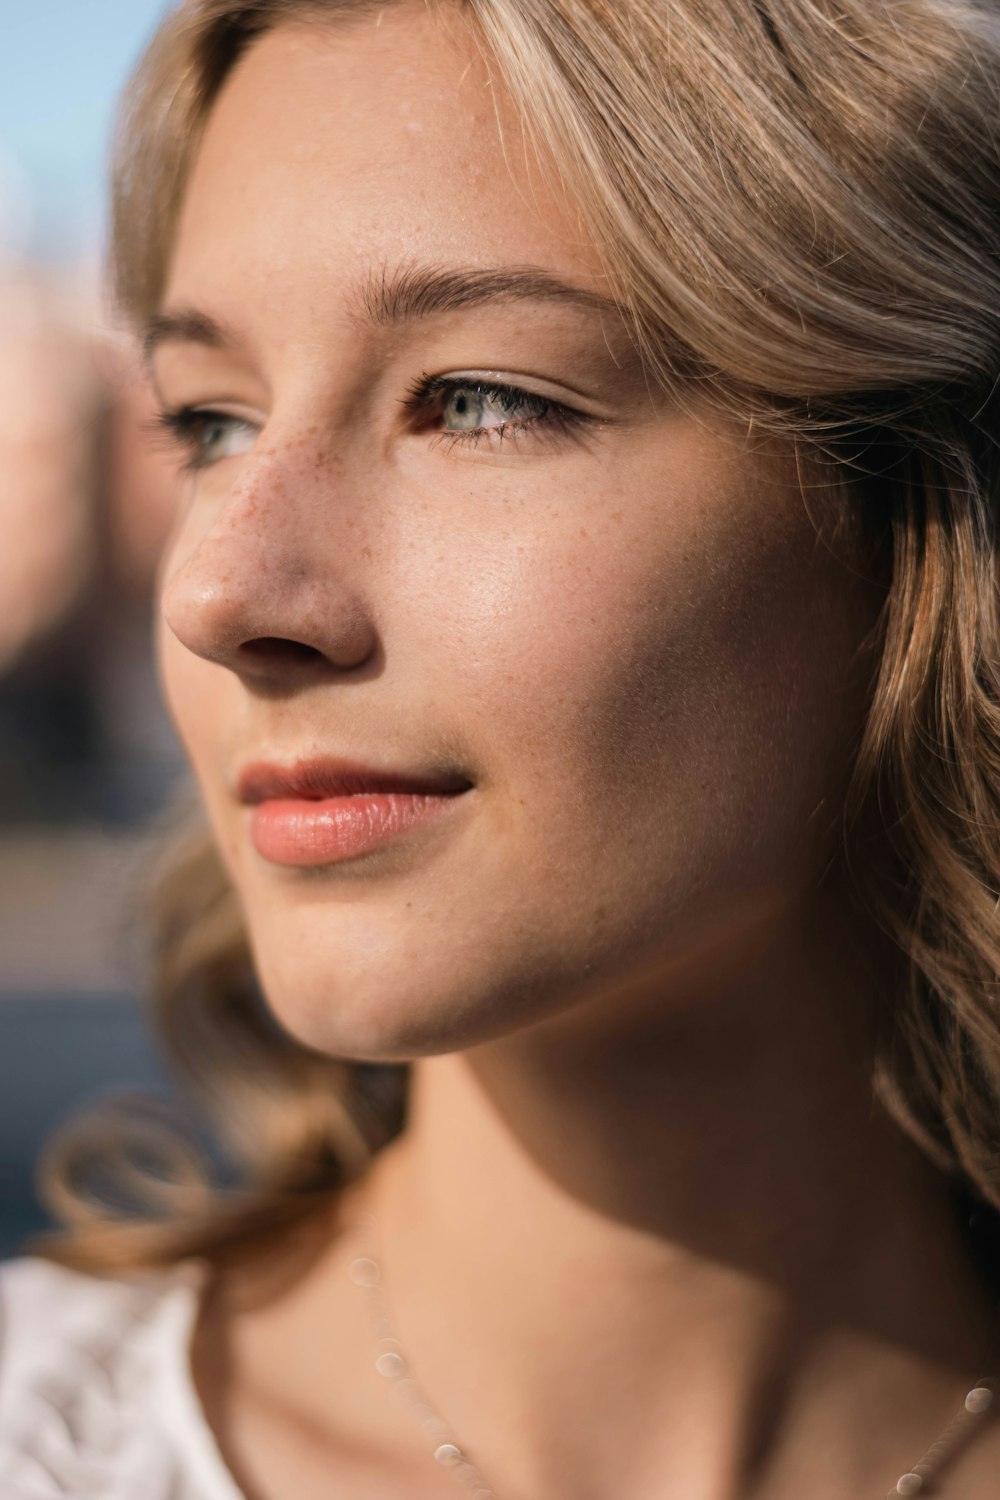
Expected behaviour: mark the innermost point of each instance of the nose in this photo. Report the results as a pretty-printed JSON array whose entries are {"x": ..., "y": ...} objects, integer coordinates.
[{"x": 265, "y": 595}]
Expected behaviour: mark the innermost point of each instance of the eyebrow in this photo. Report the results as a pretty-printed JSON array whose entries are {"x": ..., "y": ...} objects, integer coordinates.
[
  {"x": 186, "y": 325},
  {"x": 421, "y": 291},
  {"x": 390, "y": 299}
]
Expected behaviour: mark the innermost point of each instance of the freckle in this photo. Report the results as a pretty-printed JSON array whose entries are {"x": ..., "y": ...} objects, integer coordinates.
[
  {"x": 583, "y": 531},
  {"x": 616, "y": 515},
  {"x": 366, "y": 552}
]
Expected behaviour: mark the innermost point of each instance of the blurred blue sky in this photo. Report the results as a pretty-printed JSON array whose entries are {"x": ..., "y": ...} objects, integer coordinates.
[{"x": 62, "y": 65}]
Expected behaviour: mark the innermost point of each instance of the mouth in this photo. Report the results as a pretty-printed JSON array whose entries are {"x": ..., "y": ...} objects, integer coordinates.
[{"x": 326, "y": 811}]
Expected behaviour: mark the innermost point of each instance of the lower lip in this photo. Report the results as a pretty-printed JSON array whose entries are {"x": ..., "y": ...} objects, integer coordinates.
[{"x": 295, "y": 831}]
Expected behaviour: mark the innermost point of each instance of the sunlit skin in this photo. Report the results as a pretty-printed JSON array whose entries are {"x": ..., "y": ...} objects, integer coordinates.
[{"x": 646, "y": 1232}]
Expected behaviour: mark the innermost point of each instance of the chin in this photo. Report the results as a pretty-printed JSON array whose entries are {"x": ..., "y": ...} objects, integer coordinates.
[
  {"x": 379, "y": 1000},
  {"x": 381, "y": 1009}
]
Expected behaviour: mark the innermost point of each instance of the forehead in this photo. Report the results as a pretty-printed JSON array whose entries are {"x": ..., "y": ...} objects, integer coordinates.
[{"x": 335, "y": 147}]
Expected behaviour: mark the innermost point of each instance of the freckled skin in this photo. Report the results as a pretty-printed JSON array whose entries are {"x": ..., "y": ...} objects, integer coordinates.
[{"x": 632, "y": 644}]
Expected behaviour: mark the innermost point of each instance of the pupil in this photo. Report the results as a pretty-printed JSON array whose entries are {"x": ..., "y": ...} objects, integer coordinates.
[{"x": 464, "y": 409}]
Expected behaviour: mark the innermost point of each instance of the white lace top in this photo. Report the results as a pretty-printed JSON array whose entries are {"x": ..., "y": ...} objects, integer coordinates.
[{"x": 97, "y": 1399}]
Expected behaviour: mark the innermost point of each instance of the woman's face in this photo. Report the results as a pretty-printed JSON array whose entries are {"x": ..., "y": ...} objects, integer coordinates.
[{"x": 579, "y": 654}]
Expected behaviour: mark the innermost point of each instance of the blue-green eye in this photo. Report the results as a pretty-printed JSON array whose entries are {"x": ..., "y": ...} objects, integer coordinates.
[
  {"x": 207, "y": 436},
  {"x": 480, "y": 411},
  {"x": 469, "y": 408}
]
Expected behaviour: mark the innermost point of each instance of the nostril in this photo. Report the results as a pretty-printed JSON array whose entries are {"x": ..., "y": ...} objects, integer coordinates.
[
  {"x": 273, "y": 648},
  {"x": 276, "y": 665}
]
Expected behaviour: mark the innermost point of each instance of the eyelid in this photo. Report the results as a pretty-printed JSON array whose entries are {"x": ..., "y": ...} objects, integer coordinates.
[
  {"x": 527, "y": 381},
  {"x": 427, "y": 386}
]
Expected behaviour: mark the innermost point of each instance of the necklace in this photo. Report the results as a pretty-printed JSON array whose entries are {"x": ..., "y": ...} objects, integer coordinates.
[{"x": 366, "y": 1271}]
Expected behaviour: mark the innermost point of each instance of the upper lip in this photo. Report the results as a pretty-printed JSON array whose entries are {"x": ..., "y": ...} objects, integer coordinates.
[{"x": 327, "y": 777}]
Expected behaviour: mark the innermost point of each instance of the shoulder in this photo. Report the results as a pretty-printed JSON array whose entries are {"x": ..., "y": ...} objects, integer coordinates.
[{"x": 95, "y": 1396}]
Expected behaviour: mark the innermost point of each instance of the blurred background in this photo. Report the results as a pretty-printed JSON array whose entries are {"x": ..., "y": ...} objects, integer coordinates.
[{"x": 87, "y": 757}]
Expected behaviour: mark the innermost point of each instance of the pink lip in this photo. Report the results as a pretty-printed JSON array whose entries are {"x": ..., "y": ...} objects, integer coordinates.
[{"x": 322, "y": 811}]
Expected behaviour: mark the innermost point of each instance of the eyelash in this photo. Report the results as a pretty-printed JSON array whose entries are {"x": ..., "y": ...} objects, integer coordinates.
[
  {"x": 428, "y": 394},
  {"x": 184, "y": 427}
]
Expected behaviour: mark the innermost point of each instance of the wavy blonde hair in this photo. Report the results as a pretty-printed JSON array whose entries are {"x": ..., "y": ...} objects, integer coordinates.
[{"x": 798, "y": 203}]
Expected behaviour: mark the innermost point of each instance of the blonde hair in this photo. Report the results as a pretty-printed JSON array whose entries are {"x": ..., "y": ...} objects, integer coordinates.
[{"x": 798, "y": 204}]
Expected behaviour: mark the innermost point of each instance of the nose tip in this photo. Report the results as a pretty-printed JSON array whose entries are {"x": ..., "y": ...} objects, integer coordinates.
[{"x": 266, "y": 625}]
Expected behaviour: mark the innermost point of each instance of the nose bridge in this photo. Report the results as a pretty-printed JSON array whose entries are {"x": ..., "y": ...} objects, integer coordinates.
[{"x": 267, "y": 565}]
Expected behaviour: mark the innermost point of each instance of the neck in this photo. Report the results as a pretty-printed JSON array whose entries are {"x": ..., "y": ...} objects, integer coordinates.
[{"x": 678, "y": 1208}]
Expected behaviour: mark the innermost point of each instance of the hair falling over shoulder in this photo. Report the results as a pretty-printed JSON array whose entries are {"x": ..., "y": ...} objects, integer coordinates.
[{"x": 798, "y": 204}]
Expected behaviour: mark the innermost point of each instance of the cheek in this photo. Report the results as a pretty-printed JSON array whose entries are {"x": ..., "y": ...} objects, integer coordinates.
[{"x": 667, "y": 672}]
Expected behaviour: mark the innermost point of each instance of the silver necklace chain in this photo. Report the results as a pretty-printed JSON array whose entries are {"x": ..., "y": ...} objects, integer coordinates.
[{"x": 391, "y": 1363}]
